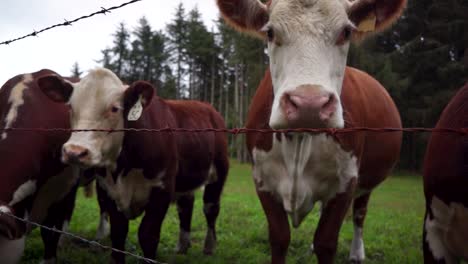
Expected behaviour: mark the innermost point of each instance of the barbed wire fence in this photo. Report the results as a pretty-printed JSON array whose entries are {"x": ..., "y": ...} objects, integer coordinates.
[
  {"x": 237, "y": 131},
  {"x": 82, "y": 239},
  {"x": 67, "y": 23},
  {"x": 234, "y": 131}
]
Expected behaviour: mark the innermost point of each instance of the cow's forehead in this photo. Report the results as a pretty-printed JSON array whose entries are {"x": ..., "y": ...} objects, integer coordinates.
[
  {"x": 100, "y": 85},
  {"x": 291, "y": 9}
]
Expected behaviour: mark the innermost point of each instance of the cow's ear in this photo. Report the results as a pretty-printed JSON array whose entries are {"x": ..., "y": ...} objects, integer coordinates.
[
  {"x": 248, "y": 16},
  {"x": 372, "y": 16},
  {"x": 56, "y": 88},
  {"x": 136, "y": 98}
]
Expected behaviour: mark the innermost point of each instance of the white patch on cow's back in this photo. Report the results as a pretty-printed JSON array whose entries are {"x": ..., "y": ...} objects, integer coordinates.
[
  {"x": 11, "y": 251},
  {"x": 130, "y": 192},
  {"x": 302, "y": 170},
  {"x": 24, "y": 190},
  {"x": 16, "y": 100}
]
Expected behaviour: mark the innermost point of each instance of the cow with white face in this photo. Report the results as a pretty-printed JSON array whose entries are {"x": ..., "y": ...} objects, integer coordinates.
[
  {"x": 141, "y": 172},
  {"x": 309, "y": 86}
]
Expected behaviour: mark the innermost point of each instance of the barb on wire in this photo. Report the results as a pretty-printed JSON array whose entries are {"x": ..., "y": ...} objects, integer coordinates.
[
  {"x": 69, "y": 23},
  {"x": 236, "y": 131},
  {"x": 90, "y": 242}
]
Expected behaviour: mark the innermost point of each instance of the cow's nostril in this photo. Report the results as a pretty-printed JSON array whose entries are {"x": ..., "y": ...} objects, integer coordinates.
[
  {"x": 292, "y": 101},
  {"x": 288, "y": 104},
  {"x": 330, "y": 102},
  {"x": 329, "y": 108},
  {"x": 82, "y": 154}
]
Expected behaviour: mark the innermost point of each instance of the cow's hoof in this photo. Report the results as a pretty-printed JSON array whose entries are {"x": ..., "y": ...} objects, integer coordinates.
[
  {"x": 103, "y": 229},
  {"x": 182, "y": 248},
  {"x": 49, "y": 261},
  {"x": 63, "y": 240},
  {"x": 184, "y": 242},
  {"x": 311, "y": 249},
  {"x": 355, "y": 261},
  {"x": 210, "y": 242}
]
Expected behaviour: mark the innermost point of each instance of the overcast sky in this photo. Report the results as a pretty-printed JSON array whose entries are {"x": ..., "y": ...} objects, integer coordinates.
[{"x": 59, "y": 48}]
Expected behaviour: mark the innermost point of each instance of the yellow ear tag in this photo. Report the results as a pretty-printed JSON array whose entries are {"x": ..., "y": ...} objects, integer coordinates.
[
  {"x": 368, "y": 24},
  {"x": 135, "y": 112}
]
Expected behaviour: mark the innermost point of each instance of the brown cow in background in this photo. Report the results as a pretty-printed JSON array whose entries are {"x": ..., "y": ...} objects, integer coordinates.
[
  {"x": 143, "y": 171},
  {"x": 34, "y": 183},
  {"x": 445, "y": 238}
]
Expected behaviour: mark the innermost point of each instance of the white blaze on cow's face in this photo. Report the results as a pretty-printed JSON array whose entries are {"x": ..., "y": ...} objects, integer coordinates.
[
  {"x": 96, "y": 103},
  {"x": 308, "y": 43},
  {"x": 307, "y": 46}
]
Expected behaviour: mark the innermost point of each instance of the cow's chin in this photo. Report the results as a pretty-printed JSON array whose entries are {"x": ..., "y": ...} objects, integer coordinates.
[
  {"x": 281, "y": 122},
  {"x": 87, "y": 164}
]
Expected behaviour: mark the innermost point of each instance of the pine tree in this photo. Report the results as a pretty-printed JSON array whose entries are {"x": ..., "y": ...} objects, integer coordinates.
[
  {"x": 177, "y": 33},
  {"x": 75, "y": 71},
  {"x": 120, "y": 49}
]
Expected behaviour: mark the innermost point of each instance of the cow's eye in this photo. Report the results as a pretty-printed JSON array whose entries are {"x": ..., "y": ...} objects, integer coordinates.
[
  {"x": 115, "y": 109},
  {"x": 345, "y": 35},
  {"x": 270, "y": 34}
]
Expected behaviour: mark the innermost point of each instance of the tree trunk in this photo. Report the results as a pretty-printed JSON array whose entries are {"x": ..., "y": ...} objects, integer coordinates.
[
  {"x": 212, "y": 82},
  {"x": 221, "y": 91},
  {"x": 179, "y": 74},
  {"x": 239, "y": 87},
  {"x": 226, "y": 106},
  {"x": 190, "y": 81}
]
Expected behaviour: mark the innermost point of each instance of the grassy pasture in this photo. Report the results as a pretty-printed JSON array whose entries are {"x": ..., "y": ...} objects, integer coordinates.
[{"x": 392, "y": 232}]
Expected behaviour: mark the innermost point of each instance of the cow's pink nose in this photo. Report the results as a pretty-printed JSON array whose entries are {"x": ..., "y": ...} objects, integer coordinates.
[
  {"x": 74, "y": 154},
  {"x": 307, "y": 106}
]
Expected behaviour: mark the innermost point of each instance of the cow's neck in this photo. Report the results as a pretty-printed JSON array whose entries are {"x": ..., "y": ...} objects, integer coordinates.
[{"x": 303, "y": 169}]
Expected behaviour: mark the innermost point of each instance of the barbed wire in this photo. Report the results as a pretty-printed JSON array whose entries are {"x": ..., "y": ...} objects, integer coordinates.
[
  {"x": 82, "y": 239},
  {"x": 103, "y": 11},
  {"x": 236, "y": 131}
]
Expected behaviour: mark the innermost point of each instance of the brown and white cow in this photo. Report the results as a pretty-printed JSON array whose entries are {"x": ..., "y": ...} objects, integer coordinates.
[
  {"x": 445, "y": 238},
  {"x": 34, "y": 183},
  {"x": 140, "y": 171},
  {"x": 309, "y": 86}
]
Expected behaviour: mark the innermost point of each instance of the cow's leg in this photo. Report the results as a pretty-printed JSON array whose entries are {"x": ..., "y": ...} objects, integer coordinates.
[
  {"x": 118, "y": 226},
  {"x": 150, "y": 226},
  {"x": 211, "y": 203},
  {"x": 357, "y": 253},
  {"x": 58, "y": 217},
  {"x": 435, "y": 249},
  {"x": 103, "y": 228},
  {"x": 278, "y": 227},
  {"x": 68, "y": 208},
  {"x": 185, "y": 209},
  {"x": 331, "y": 219},
  {"x": 428, "y": 256}
]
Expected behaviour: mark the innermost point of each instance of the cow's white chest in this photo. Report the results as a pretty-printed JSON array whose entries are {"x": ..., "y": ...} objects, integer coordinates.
[
  {"x": 130, "y": 192},
  {"x": 303, "y": 170}
]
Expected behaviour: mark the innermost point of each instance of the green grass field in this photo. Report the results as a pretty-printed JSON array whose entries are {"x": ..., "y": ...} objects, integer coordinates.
[{"x": 392, "y": 232}]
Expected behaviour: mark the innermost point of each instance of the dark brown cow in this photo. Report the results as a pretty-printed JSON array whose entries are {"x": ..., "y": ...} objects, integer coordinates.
[
  {"x": 34, "y": 184},
  {"x": 309, "y": 86},
  {"x": 445, "y": 238},
  {"x": 141, "y": 171}
]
